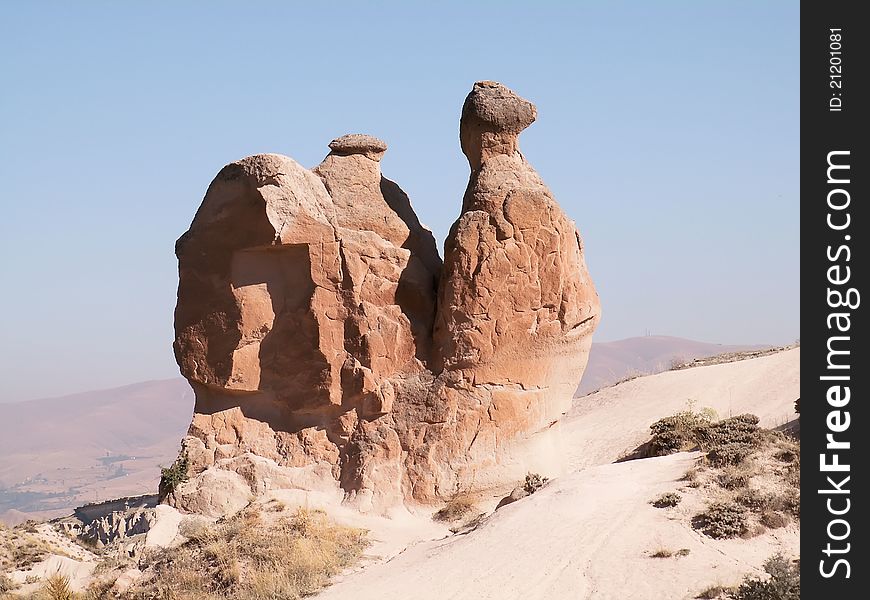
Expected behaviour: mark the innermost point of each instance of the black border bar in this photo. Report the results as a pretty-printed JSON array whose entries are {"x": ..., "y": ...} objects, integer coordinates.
[{"x": 835, "y": 368}]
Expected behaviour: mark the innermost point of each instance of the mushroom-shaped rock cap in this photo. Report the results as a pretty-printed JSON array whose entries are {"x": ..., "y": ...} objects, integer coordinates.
[
  {"x": 498, "y": 107},
  {"x": 359, "y": 143}
]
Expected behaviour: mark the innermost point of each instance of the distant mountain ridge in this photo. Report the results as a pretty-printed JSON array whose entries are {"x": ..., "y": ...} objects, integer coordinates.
[
  {"x": 610, "y": 362},
  {"x": 58, "y": 453}
]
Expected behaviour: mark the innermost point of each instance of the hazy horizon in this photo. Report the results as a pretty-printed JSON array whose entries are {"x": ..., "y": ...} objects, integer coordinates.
[{"x": 669, "y": 133}]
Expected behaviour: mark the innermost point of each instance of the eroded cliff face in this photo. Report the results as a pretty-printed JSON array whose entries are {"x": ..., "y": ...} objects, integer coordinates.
[{"x": 330, "y": 349}]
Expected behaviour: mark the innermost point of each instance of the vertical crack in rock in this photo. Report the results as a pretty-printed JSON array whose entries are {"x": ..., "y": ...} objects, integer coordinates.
[{"x": 331, "y": 350}]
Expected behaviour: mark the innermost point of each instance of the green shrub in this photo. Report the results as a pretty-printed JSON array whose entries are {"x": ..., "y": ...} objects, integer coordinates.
[
  {"x": 173, "y": 476},
  {"x": 721, "y": 520},
  {"x": 783, "y": 583},
  {"x": 730, "y": 441}
]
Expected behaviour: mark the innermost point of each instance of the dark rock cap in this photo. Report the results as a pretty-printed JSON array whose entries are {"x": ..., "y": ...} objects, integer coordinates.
[
  {"x": 359, "y": 143},
  {"x": 499, "y": 107}
]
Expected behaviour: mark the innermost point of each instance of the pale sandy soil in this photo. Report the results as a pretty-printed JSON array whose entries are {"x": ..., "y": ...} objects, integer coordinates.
[
  {"x": 612, "y": 422},
  {"x": 590, "y": 532},
  {"x": 586, "y": 535}
]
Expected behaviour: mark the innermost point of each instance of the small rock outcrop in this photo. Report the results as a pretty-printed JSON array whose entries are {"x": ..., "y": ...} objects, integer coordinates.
[{"x": 331, "y": 350}]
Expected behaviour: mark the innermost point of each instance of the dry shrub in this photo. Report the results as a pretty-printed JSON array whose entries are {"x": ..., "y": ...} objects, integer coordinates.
[
  {"x": 667, "y": 500},
  {"x": 783, "y": 582},
  {"x": 6, "y": 584},
  {"x": 773, "y": 519},
  {"x": 754, "y": 499},
  {"x": 666, "y": 553},
  {"x": 790, "y": 502},
  {"x": 734, "y": 477},
  {"x": 458, "y": 507},
  {"x": 713, "y": 592},
  {"x": 534, "y": 482},
  {"x": 676, "y": 433},
  {"x": 57, "y": 588},
  {"x": 244, "y": 558},
  {"x": 722, "y": 520}
]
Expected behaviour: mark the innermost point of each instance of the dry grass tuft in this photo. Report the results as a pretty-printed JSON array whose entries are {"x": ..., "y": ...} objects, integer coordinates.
[
  {"x": 456, "y": 508},
  {"x": 6, "y": 584},
  {"x": 247, "y": 558},
  {"x": 668, "y": 553},
  {"x": 713, "y": 592},
  {"x": 57, "y": 587},
  {"x": 21, "y": 547}
]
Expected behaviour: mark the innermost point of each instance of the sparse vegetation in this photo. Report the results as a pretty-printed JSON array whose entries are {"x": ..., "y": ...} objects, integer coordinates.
[
  {"x": 534, "y": 482},
  {"x": 456, "y": 508},
  {"x": 741, "y": 460},
  {"x": 57, "y": 587},
  {"x": 773, "y": 519},
  {"x": 783, "y": 582},
  {"x": 666, "y": 500},
  {"x": 667, "y": 553},
  {"x": 722, "y": 520},
  {"x": 713, "y": 592},
  {"x": 173, "y": 476},
  {"x": 6, "y": 584},
  {"x": 734, "y": 477},
  {"x": 21, "y": 547},
  {"x": 753, "y": 499},
  {"x": 726, "y": 442},
  {"x": 244, "y": 557},
  {"x": 676, "y": 433}
]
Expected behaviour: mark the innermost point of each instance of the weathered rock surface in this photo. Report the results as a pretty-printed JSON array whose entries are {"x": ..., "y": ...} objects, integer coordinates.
[{"x": 328, "y": 346}]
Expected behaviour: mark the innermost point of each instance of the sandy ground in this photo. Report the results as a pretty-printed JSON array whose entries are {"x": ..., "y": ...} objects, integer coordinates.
[
  {"x": 612, "y": 422},
  {"x": 587, "y": 535},
  {"x": 590, "y": 532}
]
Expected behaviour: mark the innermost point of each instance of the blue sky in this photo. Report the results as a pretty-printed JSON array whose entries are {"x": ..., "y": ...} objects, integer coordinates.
[{"x": 667, "y": 130}]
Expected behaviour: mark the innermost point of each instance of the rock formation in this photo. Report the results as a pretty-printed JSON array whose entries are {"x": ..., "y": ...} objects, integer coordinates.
[{"x": 330, "y": 349}]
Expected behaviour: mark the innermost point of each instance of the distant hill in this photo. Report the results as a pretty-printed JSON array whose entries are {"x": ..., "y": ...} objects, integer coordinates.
[
  {"x": 58, "y": 453},
  {"x": 610, "y": 362}
]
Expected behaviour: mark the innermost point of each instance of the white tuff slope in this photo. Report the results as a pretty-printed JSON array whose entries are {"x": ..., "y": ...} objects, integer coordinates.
[{"x": 589, "y": 533}]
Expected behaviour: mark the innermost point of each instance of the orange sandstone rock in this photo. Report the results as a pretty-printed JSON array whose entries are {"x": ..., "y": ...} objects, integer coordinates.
[{"x": 330, "y": 350}]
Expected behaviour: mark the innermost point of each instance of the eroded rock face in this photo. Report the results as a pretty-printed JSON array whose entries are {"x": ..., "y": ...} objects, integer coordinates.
[
  {"x": 329, "y": 347},
  {"x": 516, "y": 304}
]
